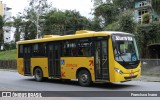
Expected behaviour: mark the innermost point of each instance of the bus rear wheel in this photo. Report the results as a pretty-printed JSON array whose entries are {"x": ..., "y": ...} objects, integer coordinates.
[
  {"x": 84, "y": 78},
  {"x": 38, "y": 74}
]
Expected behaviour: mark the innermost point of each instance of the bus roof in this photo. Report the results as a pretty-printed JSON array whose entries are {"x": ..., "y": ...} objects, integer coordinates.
[{"x": 78, "y": 34}]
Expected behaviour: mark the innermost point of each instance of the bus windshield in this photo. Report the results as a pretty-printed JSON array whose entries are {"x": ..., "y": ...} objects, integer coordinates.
[{"x": 125, "y": 48}]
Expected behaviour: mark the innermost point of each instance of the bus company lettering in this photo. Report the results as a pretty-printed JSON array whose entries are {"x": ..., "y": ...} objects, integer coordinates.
[
  {"x": 71, "y": 65},
  {"x": 91, "y": 63}
]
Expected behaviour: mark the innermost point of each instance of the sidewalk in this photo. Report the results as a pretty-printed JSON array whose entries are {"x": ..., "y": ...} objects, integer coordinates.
[
  {"x": 150, "y": 78},
  {"x": 10, "y": 70}
]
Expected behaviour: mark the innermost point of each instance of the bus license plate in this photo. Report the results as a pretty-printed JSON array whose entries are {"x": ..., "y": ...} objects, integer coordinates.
[{"x": 132, "y": 74}]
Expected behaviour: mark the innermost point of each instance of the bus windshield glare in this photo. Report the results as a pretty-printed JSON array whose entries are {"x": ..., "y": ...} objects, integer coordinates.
[{"x": 125, "y": 48}]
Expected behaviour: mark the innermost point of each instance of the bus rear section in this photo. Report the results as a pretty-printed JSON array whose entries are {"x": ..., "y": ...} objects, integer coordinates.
[{"x": 92, "y": 57}]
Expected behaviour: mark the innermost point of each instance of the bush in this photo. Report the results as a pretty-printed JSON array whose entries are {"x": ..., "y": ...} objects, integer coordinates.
[
  {"x": 146, "y": 18},
  {"x": 147, "y": 34},
  {"x": 9, "y": 46}
]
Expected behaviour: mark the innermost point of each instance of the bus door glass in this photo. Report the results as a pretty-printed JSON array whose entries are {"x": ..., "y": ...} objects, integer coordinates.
[
  {"x": 27, "y": 62},
  {"x": 101, "y": 58},
  {"x": 54, "y": 59}
]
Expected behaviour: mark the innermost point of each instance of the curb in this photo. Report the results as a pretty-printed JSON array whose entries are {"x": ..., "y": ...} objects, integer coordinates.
[{"x": 10, "y": 70}]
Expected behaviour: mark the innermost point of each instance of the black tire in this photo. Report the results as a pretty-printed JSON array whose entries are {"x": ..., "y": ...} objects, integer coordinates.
[
  {"x": 38, "y": 75},
  {"x": 84, "y": 78}
]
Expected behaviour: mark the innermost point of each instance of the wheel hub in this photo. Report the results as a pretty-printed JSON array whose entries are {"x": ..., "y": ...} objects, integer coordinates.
[{"x": 84, "y": 77}]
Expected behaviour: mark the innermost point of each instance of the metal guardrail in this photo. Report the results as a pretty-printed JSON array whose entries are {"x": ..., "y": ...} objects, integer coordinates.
[{"x": 150, "y": 66}]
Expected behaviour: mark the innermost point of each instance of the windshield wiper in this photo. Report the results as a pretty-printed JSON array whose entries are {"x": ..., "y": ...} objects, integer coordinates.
[{"x": 119, "y": 55}]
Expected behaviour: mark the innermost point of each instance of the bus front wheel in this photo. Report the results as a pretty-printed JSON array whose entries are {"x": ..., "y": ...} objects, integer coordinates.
[
  {"x": 38, "y": 74},
  {"x": 84, "y": 78}
]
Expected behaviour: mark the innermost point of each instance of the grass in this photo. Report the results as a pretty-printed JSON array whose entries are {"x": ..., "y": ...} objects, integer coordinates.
[{"x": 8, "y": 55}]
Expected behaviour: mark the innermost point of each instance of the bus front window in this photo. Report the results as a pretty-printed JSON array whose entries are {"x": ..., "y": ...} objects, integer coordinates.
[{"x": 125, "y": 49}]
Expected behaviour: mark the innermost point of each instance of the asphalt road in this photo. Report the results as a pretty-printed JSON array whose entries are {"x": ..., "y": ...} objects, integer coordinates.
[{"x": 12, "y": 81}]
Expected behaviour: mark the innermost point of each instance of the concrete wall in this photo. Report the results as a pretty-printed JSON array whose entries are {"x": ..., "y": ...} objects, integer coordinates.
[
  {"x": 151, "y": 67},
  {"x": 8, "y": 64}
]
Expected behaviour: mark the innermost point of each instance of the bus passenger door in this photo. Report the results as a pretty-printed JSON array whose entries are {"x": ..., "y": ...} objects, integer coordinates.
[
  {"x": 101, "y": 59},
  {"x": 27, "y": 60},
  {"x": 54, "y": 60}
]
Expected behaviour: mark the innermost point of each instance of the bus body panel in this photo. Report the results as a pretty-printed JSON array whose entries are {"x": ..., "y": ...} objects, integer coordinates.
[
  {"x": 20, "y": 65},
  {"x": 128, "y": 74},
  {"x": 70, "y": 65},
  {"x": 111, "y": 61},
  {"x": 40, "y": 62}
]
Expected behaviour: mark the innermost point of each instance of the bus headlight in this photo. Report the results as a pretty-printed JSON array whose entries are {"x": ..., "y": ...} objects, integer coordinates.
[{"x": 119, "y": 71}]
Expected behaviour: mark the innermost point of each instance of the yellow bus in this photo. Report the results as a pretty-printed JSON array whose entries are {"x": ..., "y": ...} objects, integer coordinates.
[{"x": 86, "y": 56}]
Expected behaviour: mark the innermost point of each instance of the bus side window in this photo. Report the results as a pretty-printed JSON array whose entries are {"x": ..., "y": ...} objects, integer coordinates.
[
  {"x": 42, "y": 49},
  {"x": 69, "y": 48},
  {"x": 80, "y": 52},
  {"x": 74, "y": 51},
  {"x": 39, "y": 49},
  {"x": 20, "y": 53},
  {"x": 85, "y": 47},
  {"x": 35, "y": 49}
]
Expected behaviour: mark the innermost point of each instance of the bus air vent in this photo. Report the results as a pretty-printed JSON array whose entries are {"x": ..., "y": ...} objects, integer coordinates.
[{"x": 83, "y": 31}]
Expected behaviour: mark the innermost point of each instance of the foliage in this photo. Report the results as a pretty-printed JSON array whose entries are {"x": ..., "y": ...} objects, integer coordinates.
[
  {"x": 39, "y": 18},
  {"x": 29, "y": 30},
  {"x": 156, "y": 5},
  {"x": 112, "y": 27},
  {"x": 18, "y": 23},
  {"x": 121, "y": 4},
  {"x": 4, "y": 24},
  {"x": 33, "y": 18},
  {"x": 126, "y": 22},
  {"x": 9, "y": 46},
  {"x": 95, "y": 25},
  {"x": 97, "y": 2},
  {"x": 124, "y": 5},
  {"x": 147, "y": 34},
  {"x": 146, "y": 18},
  {"x": 64, "y": 22},
  {"x": 1, "y": 30},
  {"x": 107, "y": 12}
]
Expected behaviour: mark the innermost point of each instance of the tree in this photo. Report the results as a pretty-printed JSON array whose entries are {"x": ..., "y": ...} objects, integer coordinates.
[
  {"x": 146, "y": 18},
  {"x": 126, "y": 22},
  {"x": 1, "y": 31},
  {"x": 156, "y": 5},
  {"x": 95, "y": 24},
  {"x": 97, "y": 3},
  {"x": 33, "y": 16},
  {"x": 54, "y": 22},
  {"x": 18, "y": 25},
  {"x": 124, "y": 5},
  {"x": 113, "y": 26},
  {"x": 107, "y": 13},
  {"x": 64, "y": 22},
  {"x": 29, "y": 29},
  {"x": 147, "y": 34},
  {"x": 4, "y": 24}
]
